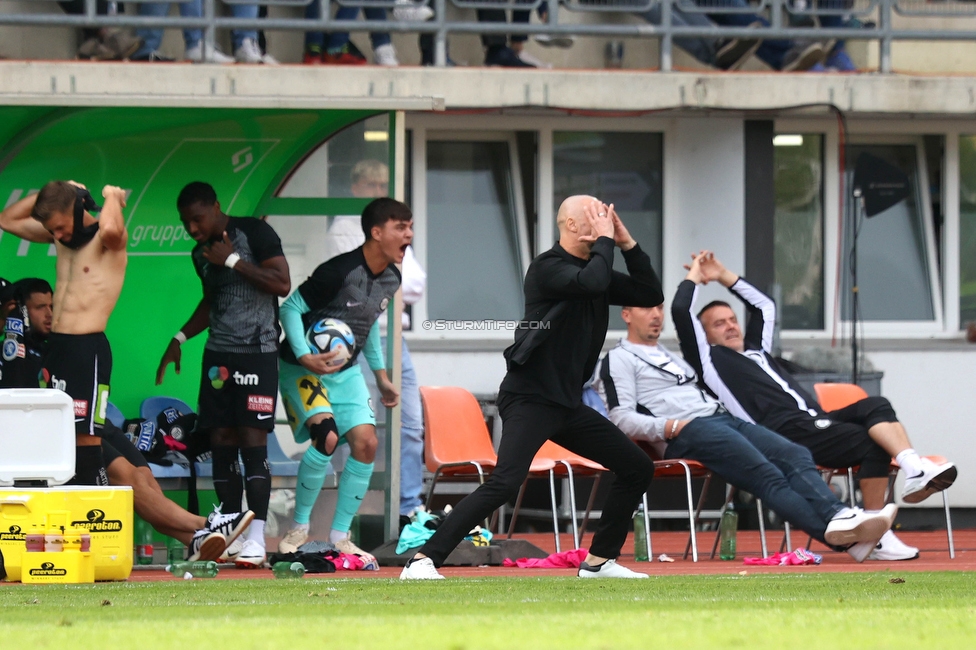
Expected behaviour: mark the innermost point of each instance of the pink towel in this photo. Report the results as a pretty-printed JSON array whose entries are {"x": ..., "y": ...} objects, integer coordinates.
[
  {"x": 797, "y": 557},
  {"x": 564, "y": 560}
]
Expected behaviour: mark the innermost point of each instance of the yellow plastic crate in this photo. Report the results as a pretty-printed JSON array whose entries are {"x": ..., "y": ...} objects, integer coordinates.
[
  {"x": 105, "y": 512},
  {"x": 51, "y": 568}
]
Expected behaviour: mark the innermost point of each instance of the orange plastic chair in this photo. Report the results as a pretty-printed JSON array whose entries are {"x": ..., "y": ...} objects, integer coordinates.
[
  {"x": 554, "y": 460},
  {"x": 678, "y": 468},
  {"x": 457, "y": 444},
  {"x": 456, "y": 440},
  {"x": 837, "y": 396}
]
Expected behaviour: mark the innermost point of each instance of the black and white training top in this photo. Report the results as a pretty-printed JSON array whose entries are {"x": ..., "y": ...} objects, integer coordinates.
[
  {"x": 343, "y": 288},
  {"x": 243, "y": 319},
  {"x": 752, "y": 385}
]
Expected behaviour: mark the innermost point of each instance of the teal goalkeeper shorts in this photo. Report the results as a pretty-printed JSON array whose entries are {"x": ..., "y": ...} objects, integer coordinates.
[{"x": 343, "y": 394}]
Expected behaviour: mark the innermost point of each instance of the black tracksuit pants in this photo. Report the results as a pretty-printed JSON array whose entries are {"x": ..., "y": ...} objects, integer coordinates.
[{"x": 528, "y": 423}]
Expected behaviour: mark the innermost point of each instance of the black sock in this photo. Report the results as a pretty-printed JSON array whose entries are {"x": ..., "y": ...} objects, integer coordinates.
[
  {"x": 257, "y": 476},
  {"x": 227, "y": 477}
]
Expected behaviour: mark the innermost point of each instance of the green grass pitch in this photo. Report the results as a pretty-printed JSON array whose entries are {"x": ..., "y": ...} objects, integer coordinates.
[{"x": 852, "y": 610}]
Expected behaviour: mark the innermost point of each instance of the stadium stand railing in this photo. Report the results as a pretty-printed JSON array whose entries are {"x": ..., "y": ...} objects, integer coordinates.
[{"x": 873, "y": 20}]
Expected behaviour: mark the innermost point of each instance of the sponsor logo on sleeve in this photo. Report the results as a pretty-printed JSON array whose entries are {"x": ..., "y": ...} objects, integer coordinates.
[
  {"x": 15, "y": 326},
  {"x": 81, "y": 408},
  {"x": 9, "y": 350}
]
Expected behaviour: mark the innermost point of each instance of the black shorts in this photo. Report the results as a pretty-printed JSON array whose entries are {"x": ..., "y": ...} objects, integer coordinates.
[
  {"x": 81, "y": 366},
  {"x": 116, "y": 445},
  {"x": 238, "y": 390}
]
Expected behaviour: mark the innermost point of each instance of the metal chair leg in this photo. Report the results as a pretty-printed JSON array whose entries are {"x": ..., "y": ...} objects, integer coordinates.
[
  {"x": 589, "y": 506},
  {"x": 691, "y": 513},
  {"x": 518, "y": 506},
  {"x": 647, "y": 529},
  {"x": 762, "y": 528},
  {"x": 555, "y": 516},
  {"x": 572, "y": 502},
  {"x": 952, "y": 545}
]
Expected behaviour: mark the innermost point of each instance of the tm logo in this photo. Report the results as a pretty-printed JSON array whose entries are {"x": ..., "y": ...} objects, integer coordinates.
[
  {"x": 47, "y": 380},
  {"x": 245, "y": 380},
  {"x": 242, "y": 159}
]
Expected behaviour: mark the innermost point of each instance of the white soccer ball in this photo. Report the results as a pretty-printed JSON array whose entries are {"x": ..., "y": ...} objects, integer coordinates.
[{"x": 330, "y": 334}]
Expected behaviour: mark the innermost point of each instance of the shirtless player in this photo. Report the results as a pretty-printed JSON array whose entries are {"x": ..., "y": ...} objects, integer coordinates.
[{"x": 91, "y": 260}]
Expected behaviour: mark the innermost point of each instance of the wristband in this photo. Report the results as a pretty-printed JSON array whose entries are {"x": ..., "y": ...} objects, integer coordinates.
[
  {"x": 231, "y": 260},
  {"x": 674, "y": 427},
  {"x": 180, "y": 337}
]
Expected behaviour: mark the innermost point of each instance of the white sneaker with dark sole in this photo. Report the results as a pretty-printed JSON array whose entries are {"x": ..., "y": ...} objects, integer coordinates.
[
  {"x": 422, "y": 569},
  {"x": 609, "y": 569},
  {"x": 935, "y": 477},
  {"x": 206, "y": 545},
  {"x": 890, "y": 548},
  {"x": 252, "y": 556},
  {"x": 854, "y": 525}
]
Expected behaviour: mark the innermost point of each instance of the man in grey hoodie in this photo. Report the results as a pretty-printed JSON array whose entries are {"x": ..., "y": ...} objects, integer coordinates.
[{"x": 652, "y": 395}]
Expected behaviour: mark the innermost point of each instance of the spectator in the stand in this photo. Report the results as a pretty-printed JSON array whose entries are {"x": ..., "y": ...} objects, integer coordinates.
[
  {"x": 245, "y": 42},
  {"x": 508, "y": 51},
  {"x": 836, "y": 53},
  {"x": 102, "y": 43},
  {"x": 724, "y": 54},
  {"x": 779, "y": 54},
  {"x": 205, "y": 536},
  {"x": 336, "y": 48}
]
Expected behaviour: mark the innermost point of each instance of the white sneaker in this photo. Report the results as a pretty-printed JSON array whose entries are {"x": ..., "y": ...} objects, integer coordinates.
[
  {"x": 854, "y": 525},
  {"x": 250, "y": 52},
  {"x": 609, "y": 569},
  {"x": 532, "y": 60},
  {"x": 861, "y": 551},
  {"x": 252, "y": 555},
  {"x": 889, "y": 547},
  {"x": 411, "y": 12},
  {"x": 422, "y": 569},
  {"x": 230, "y": 525},
  {"x": 346, "y": 546},
  {"x": 934, "y": 478},
  {"x": 231, "y": 552},
  {"x": 213, "y": 55},
  {"x": 385, "y": 55},
  {"x": 206, "y": 545},
  {"x": 292, "y": 540}
]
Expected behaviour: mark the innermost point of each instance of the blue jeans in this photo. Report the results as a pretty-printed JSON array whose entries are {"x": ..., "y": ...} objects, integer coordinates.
[
  {"x": 700, "y": 47},
  {"x": 411, "y": 436},
  {"x": 763, "y": 463},
  {"x": 772, "y": 51},
  {"x": 338, "y": 39},
  {"x": 191, "y": 37}
]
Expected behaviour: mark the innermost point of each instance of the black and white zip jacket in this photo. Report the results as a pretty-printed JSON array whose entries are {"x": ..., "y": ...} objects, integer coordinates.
[{"x": 752, "y": 385}]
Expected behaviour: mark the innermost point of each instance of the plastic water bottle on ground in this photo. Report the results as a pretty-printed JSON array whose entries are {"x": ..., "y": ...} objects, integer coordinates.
[
  {"x": 144, "y": 541},
  {"x": 727, "y": 530},
  {"x": 640, "y": 536},
  {"x": 284, "y": 570},
  {"x": 187, "y": 570}
]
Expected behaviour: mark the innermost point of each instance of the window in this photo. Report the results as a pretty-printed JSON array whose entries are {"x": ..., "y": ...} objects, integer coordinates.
[
  {"x": 620, "y": 168},
  {"x": 799, "y": 230},
  {"x": 967, "y": 229},
  {"x": 897, "y": 271},
  {"x": 477, "y": 249}
]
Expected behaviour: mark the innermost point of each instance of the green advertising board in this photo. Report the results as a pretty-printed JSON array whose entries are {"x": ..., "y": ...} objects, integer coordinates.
[{"x": 152, "y": 153}]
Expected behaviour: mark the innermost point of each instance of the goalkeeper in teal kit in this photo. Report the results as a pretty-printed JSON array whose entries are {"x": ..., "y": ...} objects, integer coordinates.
[{"x": 326, "y": 398}]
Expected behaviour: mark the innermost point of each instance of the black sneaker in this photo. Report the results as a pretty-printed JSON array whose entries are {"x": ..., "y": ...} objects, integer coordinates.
[
  {"x": 803, "y": 56},
  {"x": 505, "y": 57},
  {"x": 736, "y": 52},
  {"x": 229, "y": 525}
]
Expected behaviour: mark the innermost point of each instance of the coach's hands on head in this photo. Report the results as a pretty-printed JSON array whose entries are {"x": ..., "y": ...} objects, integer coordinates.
[
  {"x": 597, "y": 215},
  {"x": 621, "y": 236},
  {"x": 217, "y": 252},
  {"x": 173, "y": 354},
  {"x": 319, "y": 363}
]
